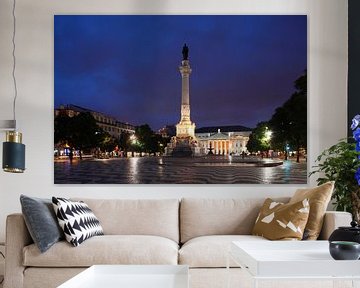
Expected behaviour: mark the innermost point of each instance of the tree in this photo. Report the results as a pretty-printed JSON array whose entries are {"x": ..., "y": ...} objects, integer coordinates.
[
  {"x": 289, "y": 122},
  {"x": 162, "y": 142},
  {"x": 63, "y": 129},
  {"x": 280, "y": 126},
  {"x": 148, "y": 141},
  {"x": 145, "y": 135},
  {"x": 258, "y": 140},
  {"x": 80, "y": 131},
  {"x": 124, "y": 142},
  {"x": 86, "y": 132},
  {"x": 108, "y": 142}
]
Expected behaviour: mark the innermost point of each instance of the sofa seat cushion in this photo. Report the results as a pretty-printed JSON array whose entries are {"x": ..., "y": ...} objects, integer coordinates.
[
  {"x": 107, "y": 249},
  {"x": 211, "y": 251}
]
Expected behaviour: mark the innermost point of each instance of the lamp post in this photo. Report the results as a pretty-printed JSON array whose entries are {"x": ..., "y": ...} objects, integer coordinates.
[
  {"x": 133, "y": 140},
  {"x": 267, "y": 139},
  {"x": 268, "y": 134},
  {"x": 287, "y": 148}
]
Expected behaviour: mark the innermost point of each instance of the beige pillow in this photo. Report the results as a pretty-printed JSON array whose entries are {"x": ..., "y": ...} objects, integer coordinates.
[
  {"x": 319, "y": 198},
  {"x": 279, "y": 221}
]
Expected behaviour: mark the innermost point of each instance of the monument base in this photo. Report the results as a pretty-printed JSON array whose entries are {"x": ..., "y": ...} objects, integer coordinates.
[
  {"x": 182, "y": 151},
  {"x": 183, "y": 147}
]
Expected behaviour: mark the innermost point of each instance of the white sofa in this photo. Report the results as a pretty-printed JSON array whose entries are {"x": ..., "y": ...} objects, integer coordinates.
[{"x": 194, "y": 232}]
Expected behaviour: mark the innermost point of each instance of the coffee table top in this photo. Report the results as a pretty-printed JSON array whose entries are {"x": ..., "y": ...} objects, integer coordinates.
[
  {"x": 131, "y": 276},
  {"x": 291, "y": 259}
]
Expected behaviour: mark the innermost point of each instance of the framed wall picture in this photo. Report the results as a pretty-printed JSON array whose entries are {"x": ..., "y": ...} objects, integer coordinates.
[{"x": 180, "y": 99}]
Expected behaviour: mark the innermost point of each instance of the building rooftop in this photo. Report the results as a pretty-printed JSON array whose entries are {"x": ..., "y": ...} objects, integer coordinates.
[
  {"x": 80, "y": 109},
  {"x": 218, "y": 136},
  {"x": 76, "y": 108},
  {"x": 215, "y": 129}
]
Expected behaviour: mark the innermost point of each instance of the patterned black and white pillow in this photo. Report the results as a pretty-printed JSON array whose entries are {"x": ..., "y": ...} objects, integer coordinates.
[{"x": 77, "y": 220}]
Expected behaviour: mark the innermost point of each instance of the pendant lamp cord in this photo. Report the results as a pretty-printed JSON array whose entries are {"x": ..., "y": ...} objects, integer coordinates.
[{"x": 14, "y": 61}]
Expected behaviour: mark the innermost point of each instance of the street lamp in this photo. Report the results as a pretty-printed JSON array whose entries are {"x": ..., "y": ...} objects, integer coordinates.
[
  {"x": 268, "y": 134},
  {"x": 267, "y": 138},
  {"x": 287, "y": 148},
  {"x": 133, "y": 139}
]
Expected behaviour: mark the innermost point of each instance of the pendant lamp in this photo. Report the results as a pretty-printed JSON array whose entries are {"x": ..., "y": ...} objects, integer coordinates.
[{"x": 13, "y": 149}]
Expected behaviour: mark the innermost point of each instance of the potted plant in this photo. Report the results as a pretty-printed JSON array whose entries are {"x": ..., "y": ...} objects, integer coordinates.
[{"x": 341, "y": 163}]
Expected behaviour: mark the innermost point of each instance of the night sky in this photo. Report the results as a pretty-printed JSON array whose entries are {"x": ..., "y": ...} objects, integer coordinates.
[{"x": 243, "y": 67}]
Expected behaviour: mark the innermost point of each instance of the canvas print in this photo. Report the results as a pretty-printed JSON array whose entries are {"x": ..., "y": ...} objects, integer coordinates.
[{"x": 180, "y": 99}]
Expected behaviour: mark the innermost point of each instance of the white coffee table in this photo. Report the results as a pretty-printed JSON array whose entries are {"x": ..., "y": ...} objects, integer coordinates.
[
  {"x": 131, "y": 276},
  {"x": 292, "y": 260}
]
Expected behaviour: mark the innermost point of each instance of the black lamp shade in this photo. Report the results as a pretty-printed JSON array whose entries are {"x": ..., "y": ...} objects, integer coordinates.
[{"x": 13, "y": 157}]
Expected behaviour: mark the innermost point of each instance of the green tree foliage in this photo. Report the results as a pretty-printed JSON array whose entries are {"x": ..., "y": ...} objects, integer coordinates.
[
  {"x": 107, "y": 142},
  {"x": 147, "y": 141},
  {"x": 80, "y": 132},
  {"x": 144, "y": 135},
  {"x": 257, "y": 139},
  {"x": 85, "y": 132},
  {"x": 289, "y": 122},
  {"x": 124, "y": 141},
  {"x": 162, "y": 142},
  {"x": 63, "y": 129}
]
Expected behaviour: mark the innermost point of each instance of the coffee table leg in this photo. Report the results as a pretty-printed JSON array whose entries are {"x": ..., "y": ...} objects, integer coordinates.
[
  {"x": 228, "y": 269},
  {"x": 255, "y": 283},
  {"x": 355, "y": 283}
]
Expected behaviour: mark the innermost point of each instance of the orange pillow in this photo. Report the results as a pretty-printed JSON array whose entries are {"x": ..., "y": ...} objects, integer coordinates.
[
  {"x": 279, "y": 221},
  {"x": 319, "y": 198}
]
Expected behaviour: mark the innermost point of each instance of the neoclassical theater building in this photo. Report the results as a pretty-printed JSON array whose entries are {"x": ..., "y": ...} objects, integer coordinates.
[{"x": 223, "y": 140}]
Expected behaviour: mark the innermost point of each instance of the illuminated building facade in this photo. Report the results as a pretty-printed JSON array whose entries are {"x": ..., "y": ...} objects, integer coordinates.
[{"x": 223, "y": 140}]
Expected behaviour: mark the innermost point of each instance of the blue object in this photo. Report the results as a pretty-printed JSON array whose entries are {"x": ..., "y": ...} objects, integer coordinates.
[
  {"x": 41, "y": 221},
  {"x": 13, "y": 157}
]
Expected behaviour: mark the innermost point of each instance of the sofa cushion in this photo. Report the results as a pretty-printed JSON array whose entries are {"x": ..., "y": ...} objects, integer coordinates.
[
  {"x": 279, "y": 221},
  {"x": 41, "y": 221},
  {"x": 201, "y": 217},
  {"x": 159, "y": 217},
  {"x": 211, "y": 251},
  {"x": 77, "y": 220},
  {"x": 319, "y": 198},
  {"x": 107, "y": 249}
]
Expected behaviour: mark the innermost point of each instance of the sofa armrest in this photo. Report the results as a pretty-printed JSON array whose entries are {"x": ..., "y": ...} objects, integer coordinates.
[
  {"x": 17, "y": 237},
  {"x": 333, "y": 220}
]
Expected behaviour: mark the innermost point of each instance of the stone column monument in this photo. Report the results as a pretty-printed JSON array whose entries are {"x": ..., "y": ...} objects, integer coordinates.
[
  {"x": 184, "y": 144},
  {"x": 185, "y": 128}
]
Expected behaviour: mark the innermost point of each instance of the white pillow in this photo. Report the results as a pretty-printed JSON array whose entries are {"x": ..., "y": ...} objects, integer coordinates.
[{"x": 76, "y": 220}]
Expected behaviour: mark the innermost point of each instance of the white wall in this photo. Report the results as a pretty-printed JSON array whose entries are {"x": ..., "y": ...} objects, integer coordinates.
[{"x": 327, "y": 51}]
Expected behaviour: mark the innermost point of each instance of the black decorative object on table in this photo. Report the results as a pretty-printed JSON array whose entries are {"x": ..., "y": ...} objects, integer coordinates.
[
  {"x": 345, "y": 233},
  {"x": 344, "y": 250}
]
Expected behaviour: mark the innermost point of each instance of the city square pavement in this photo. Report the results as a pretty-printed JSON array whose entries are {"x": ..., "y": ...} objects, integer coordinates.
[{"x": 161, "y": 170}]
